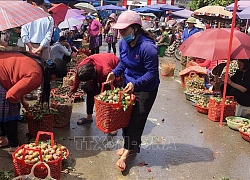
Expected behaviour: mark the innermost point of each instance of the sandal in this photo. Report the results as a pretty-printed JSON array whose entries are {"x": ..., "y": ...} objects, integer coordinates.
[
  {"x": 120, "y": 164},
  {"x": 4, "y": 142},
  {"x": 119, "y": 152},
  {"x": 84, "y": 121},
  {"x": 12, "y": 150}
]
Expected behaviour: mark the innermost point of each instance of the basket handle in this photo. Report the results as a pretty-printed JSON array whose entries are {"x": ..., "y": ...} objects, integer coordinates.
[
  {"x": 230, "y": 97},
  {"x": 46, "y": 133},
  {"x": 104, "y": 86},
  {"x": 31, "y": 175},
  {"x": 132, "y": 98},
  {"x": 30, "y": 149}
]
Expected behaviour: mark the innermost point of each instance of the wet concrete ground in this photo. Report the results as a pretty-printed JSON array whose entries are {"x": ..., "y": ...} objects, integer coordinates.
[{"x": 173, "y": 149}]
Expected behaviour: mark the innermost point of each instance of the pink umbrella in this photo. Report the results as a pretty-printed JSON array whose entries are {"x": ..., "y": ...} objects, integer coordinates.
[
  {"x": 73, "y": 13},
  {"x": 213, "y": 44},
  {"x": 17, "y": 13}
]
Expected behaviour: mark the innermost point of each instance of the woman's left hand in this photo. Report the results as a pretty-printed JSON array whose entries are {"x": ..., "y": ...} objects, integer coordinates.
[
  {"x": 129, "y": 88},
  {"x": 229, "y": 81}
]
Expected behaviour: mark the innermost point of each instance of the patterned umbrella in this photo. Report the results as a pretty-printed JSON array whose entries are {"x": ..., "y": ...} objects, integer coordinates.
[
  {"x": 213, "y": 12},
  {"x": 16, "y": 13},
  {"x": 85, "y": 6}
]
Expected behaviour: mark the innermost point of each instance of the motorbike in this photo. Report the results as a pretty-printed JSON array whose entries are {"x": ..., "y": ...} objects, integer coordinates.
[{"x": 173, "y": 48}]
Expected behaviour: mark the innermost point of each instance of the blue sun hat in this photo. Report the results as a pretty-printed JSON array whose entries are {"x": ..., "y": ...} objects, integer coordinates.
[{"x": 88, "y": 17}]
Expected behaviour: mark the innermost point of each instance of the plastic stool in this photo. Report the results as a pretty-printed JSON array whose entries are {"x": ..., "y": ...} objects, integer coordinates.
[{"x": 241, "y": 110}]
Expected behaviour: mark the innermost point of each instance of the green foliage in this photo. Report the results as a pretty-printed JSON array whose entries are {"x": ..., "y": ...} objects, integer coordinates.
[
  {"x": 58, "y": 100},
  {"x": 6, "y": 175},
  {"x": 196, "y": 4},
  {"x": 38, "y": 111}
]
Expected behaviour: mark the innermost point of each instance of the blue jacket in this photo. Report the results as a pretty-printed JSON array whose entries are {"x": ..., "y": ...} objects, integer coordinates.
[
  {"x": 139, "y": 64},
  {"x": 187, "y": 34}
]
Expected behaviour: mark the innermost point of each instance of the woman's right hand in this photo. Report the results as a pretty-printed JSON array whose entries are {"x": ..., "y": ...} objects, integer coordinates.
[
  {"x": 110, "y": 78},
  {"x": 25, "y": 104}
]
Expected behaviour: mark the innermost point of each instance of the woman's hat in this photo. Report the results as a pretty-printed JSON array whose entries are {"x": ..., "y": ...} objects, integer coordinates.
[
  {"x": 88, "y": 17},
  {"x": 126, "y": 19},
  {"x": 113, "y": 16},
  {"x": 217, "y": 70},
  {"x": 191, "y": 20}
]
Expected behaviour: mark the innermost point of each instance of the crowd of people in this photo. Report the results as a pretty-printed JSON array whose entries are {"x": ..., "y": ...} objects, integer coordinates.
[
  {"x": 45, "y": 60},
  {"x": 50, "y": 49}
]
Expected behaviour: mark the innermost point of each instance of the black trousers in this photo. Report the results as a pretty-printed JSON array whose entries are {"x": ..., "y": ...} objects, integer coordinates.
[
  {"x": 9, "y": 129},
  {"x": 143, "y": 104},
  {"x": 95, "y": 50},
  {"x": 241, "y": 98},
  {"x": 91, "y": 90}
]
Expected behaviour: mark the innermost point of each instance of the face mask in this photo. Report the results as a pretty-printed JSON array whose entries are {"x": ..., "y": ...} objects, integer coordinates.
[{"x": 129, "y": 38}]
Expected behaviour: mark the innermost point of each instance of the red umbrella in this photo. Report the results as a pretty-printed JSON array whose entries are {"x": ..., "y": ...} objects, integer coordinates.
[
  {"x": 60, "y": 12},
  {"x": 213, "y": 44},
  {"x": 17, "y": 13}
]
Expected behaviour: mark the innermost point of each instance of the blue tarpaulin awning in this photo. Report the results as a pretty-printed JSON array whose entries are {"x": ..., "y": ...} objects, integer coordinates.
[
  {"x": 146, "y": 10},
  {"x": 110, "y": 7}
]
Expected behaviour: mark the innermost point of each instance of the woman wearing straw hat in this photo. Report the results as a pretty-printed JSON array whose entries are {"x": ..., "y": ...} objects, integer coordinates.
[
  {"x": 139, "y": 63},
  {"x": 188, "y": 31}
]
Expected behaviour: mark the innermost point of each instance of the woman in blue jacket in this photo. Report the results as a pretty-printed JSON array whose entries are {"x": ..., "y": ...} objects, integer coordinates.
[{"x": 139, "y": 64}]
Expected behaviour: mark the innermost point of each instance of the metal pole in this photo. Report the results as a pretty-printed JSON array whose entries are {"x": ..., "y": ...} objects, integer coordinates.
[
  {"x": 228, "y": 61},
  {"x": 246, "y": 26}
]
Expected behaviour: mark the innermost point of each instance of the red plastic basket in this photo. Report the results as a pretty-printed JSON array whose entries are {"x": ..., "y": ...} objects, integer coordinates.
[
  {"x": 201, "y": 109},
  {"x": 45, "y": 124},
  {"x": 22, "y": 168},
  {"x": 32, "y": 175},
  {"x": 214, "y": 111},
  {"x": 245, "y": 136},
  {"x": 111, "y": 116}
]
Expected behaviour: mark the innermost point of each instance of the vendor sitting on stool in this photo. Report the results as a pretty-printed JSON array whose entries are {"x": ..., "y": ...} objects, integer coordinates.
[
  {"x": 164, "y": 39},
  {"x": 239, "y": 84}
]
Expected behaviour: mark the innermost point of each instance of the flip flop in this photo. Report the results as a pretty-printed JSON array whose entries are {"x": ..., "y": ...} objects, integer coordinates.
[
  {"x": 119, "y": 152},
  {"x": 113, "y": 133},
  {"x": 4, "y": 142},
  {"x": 12, "y": 150},
  {"x": 84, "y": 121},
  {"x": 120, "y": 164}
]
